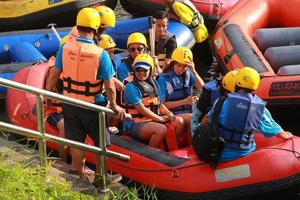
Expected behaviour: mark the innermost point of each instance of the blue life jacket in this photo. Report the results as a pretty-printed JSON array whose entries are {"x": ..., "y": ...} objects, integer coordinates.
[
  {"x": 245, "y": 111},
  {"x": 214, "y": 89},
  {"x": 181, "y": 88}
]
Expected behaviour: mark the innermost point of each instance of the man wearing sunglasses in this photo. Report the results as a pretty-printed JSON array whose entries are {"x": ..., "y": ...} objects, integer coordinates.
[{"x": 136, "y": 44}]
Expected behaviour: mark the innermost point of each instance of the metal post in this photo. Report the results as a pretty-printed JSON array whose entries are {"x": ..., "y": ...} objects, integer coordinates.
[
  {"x": 41, "y": 128},
  {"x": 102, "y": 157}
]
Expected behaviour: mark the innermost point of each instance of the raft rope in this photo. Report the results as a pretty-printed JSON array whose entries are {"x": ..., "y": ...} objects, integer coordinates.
[
  {"x": 175, "y": 170},
  {"x": 296, "y": 153}
]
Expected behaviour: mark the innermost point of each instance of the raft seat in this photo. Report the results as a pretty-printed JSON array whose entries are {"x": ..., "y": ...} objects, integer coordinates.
[
  {"x": 265, "y": 38},
  {"x": 283, "y": 56},
  {"x": 289, "y": 70}
]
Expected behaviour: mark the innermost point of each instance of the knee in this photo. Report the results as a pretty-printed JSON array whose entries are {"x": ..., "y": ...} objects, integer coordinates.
[
  {"x": 179, "y": 122},
  {"x": 161, "y": 131}
]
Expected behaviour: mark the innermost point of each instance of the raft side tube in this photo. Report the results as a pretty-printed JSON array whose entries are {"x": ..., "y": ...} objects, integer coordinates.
[
  {"x": 281, "y": 56},
  {"x": 274, "y": 37},
  {"x": 25, "y": 52},
  {"x": 243, "y": 48},
  {"x": 289, "y": 70}
]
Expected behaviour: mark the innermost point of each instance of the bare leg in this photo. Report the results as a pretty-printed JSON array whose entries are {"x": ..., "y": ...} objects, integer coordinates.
[
  {"x": 186, "y": 133},
  {"x": 154, "y": 132},
  {"x": 63, "y": 153}
]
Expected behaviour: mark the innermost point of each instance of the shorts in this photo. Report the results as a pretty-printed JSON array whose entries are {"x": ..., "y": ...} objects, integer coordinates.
[
  {"x": 136, "y": 129},
  {"x": 54, "y": 118},
  {"x": 80, "y": 122}
]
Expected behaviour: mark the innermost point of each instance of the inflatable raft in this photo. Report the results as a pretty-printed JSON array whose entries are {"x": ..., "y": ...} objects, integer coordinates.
[
  {"x": 212, "y": 10},
  {"x": 263, "y": 34},
  {"x": 178, "y": 174},
  {"x": 29, "y": 14}
]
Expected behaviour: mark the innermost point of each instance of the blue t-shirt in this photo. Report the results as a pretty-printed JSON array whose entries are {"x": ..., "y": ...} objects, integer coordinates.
[
  {"x": 133, "y": 96},
  {"x": 123, "y": 71},
  {"x": 166, "y": 86},
  {"x": 105, "y": 72},
  {"x": 268, "y": 127}
]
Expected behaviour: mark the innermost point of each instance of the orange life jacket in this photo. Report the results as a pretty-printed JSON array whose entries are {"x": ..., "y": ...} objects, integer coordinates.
[
  {"x": 149, "y": 99},
  {"x": 80, "y": 67}
]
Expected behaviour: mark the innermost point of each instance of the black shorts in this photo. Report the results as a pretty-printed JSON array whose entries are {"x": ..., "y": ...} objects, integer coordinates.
[
  {"x": 80, "y": 122},
  {"x": 54, "y": 118}
]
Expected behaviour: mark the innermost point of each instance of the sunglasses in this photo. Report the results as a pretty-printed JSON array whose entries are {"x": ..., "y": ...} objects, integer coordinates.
[{"x": 139, "y": 49}]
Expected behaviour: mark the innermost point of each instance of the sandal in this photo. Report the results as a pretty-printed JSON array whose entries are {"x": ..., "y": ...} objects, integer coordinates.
[{"x": 87, "y": 171}]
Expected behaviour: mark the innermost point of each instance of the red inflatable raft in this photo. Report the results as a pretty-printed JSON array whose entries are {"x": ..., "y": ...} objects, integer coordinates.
[
  {"x": 210, "y": 9},
  {"x": 179, "y": 174},
  {"x": 263, "y": 34}
]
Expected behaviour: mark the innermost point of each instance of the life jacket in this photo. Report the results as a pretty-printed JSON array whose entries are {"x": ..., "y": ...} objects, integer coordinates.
[
  {"x": 160, "y": 49},
  {"x": 178, "y": 87},
  {"x": 149, "y": 99},
  {"x": 80, "y": 67},
  {"x": 214, "y": 89},
  {"x": 190, "y": 16},
  {"x": 196, "y": 17},
  {"x": 238, "y": 129},
  {"x": 73, "y": 34}
]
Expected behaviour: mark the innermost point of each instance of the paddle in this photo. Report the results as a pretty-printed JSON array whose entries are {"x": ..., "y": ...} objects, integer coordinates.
[
  {"x": 152, "y": 44},
  {"x": 52, "y": 27}
]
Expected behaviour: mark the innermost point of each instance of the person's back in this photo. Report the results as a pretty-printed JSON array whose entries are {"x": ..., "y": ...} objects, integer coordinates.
[
  {"x": 211, "y": 92},
  {"x": 84, "y": 67},
  {"x": 242, "y": 114}
]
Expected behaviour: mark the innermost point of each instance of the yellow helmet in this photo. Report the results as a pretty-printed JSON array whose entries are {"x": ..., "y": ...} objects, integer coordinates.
[
  {"x": 182, "y": 55},
  {"x": 64, "y": 40},
  {"x": 229, "y": 81},
  {"x": 248, "y": 77},
  {"x": 107, "y": 15},
  {"x": 145, "y": 61},
  {"x": 106, "y": 42},
  {"x": 88, "y": 17},
  {"x": 137, "y": 38}
]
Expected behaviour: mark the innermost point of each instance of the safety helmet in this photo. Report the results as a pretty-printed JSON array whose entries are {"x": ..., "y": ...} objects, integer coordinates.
[
  {"x": 229, "y": 80},
  {"x": 106, "y": 42},
  {"x": 145, "y": 61},
  {"x": 64, "y": 40},
  {"x": 88, "y": 17},
  {"x": 248, "y": 77},
  {"x": 107, "y": 16},
  {"x": 136, "y": 38},
  {"x": 182, "y": 55}
]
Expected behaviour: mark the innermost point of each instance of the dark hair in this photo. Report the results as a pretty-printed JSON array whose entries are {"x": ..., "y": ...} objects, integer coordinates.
[
  {"x": 86, "y": 29},
  {"x": 237, "y": 88},
  {"x": 161, "y": 15},
  {"x": 169, "y": 66}
]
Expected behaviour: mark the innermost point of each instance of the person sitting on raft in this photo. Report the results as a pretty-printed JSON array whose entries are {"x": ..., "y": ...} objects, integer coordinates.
[
  {"x": 177, "y": 83},
  {"x": 142, "y": 100}
]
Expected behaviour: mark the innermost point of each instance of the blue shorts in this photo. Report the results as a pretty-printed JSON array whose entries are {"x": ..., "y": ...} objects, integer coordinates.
[
  {"x": 136, "y": 129},
  {"x": 54, "y": 119}
]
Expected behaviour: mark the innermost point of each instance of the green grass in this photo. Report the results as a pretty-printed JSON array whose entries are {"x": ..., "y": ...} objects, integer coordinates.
[
  {"x": 17, "y": 182},
  {"x": 22, "y": 181}
]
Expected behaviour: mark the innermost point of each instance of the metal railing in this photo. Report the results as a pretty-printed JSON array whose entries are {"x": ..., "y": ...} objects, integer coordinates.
[{"x": 42, "y": 137}]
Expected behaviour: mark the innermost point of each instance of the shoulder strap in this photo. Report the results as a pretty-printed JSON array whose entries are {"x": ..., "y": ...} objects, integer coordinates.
[{"x": 216, "y": 113}]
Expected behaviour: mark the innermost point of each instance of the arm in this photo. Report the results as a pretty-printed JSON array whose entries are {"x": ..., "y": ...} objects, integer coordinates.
[
  {"x": 118, "y": 84},
  {"x": 52, "y": 80},
  {"x": 148, "y": 113},
  {"x": 198, "y": 80},
  {"x": 269, "y": 127}
]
